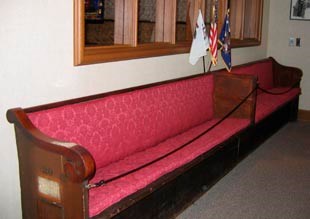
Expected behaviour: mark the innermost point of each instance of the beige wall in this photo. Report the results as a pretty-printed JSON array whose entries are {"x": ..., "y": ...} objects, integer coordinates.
[
  {"x": 281, "y": 28},
  {"x": 36, "y": 66}
]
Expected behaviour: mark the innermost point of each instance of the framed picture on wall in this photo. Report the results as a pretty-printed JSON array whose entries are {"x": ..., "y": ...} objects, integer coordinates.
[
  {"x": 300, "y": 10},
  {"x": 94, "y": 11}
]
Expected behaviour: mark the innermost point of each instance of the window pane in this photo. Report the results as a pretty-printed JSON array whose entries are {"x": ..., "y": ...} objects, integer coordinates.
[
  {"x": 182, "y": 24},
  {"x": 208, "y": 14},
  {"x": 237, "y": 18},
  {"x": 99, "y": 22},
  {"x": 251, "y": 23},
  {"x": 146, "y": 21}
]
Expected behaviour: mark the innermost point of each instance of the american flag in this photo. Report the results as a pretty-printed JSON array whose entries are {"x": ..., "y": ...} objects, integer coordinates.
[
  {"x": 213, "y": 42},
  {"x": 224, "y": 40},
  {"x": 213, "y": 34}
]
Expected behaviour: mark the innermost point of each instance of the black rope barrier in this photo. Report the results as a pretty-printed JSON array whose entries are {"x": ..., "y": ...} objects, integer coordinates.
[
  {"x": 106, "y": 181},
  {"x": 278, "y": 93}
]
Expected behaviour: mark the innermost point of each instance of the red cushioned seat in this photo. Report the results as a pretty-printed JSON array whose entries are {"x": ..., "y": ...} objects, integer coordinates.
[
  {"x": 268, "y": 103},
  {"x": 102, "y": 197}
]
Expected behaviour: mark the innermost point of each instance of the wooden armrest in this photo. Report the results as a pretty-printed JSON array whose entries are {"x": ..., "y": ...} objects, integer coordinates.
[
  {"x": 53, "y": 174},
  {"x": 285, "y": 76},
  {"x": 230, "y": 90},
  {"x": 79, "y": 157}
]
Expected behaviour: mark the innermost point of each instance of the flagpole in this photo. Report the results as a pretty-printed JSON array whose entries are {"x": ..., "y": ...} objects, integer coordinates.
[
  {"x": 210, "y": 67},
  {"x": 204, "y": 64}
]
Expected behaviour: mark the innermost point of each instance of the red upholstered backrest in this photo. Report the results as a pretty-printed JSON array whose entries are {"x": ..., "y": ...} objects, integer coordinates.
[
  {"x": 118, "y": 125},
  {"x": 263, "y": 71}
]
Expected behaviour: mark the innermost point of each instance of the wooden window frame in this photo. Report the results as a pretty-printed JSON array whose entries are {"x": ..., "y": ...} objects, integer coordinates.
[
  {"x": 130, "y": 49},
  {"x": 126, "y": 47}
]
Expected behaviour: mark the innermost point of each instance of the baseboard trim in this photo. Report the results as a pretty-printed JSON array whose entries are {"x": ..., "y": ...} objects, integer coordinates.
[{"x": 304, "y": 115}]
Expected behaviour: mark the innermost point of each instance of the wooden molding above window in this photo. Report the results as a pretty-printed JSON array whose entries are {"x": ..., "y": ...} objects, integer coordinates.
[{"x": 127, "y": 33}]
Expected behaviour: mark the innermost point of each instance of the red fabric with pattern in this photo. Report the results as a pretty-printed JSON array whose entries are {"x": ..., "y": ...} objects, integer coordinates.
[
  {"x": 114, "y": 127},
  {"x": 102, "y": 197},
  {"x": 268, "y": 103},
  {"x": 263, "y": 71}
]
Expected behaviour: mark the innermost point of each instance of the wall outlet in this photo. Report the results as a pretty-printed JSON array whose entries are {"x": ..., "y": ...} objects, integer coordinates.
[
  {"x": 298, "y": 41},
  {"x": 291, "y": 41}
]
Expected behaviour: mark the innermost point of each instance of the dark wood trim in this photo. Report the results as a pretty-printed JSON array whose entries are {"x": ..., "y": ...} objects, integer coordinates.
[{"x": 304, "y": 115}]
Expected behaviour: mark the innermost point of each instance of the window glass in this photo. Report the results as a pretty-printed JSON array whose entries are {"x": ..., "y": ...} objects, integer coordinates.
[
  {"x": 208, "y": 14},
  {"x": 99, "y": 22},
  {"x": 182, "y": 21},
  {"x": 251, "y": 24},
  {"x": 146, "y": 21}
]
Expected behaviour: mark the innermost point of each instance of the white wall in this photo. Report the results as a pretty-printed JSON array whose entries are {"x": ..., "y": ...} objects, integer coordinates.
[
  {"x": 36, "y": 67},
  {"x": 281, "y": 28}
]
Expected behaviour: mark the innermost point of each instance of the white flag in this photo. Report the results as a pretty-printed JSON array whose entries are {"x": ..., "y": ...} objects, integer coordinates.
[{"x": 200, "y": 42}]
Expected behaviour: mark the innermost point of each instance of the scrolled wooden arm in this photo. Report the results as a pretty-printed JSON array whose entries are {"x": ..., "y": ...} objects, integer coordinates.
[
  {"x": 53, "y": 174},
  {"x": 286, "y": 76},
  {"x": 79, "y": 163}
]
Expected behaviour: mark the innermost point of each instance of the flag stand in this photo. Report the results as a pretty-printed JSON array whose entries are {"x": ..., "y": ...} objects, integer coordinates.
[
  {"x": 210, "y": 67},
  {"x": 204, "y": 64}
]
